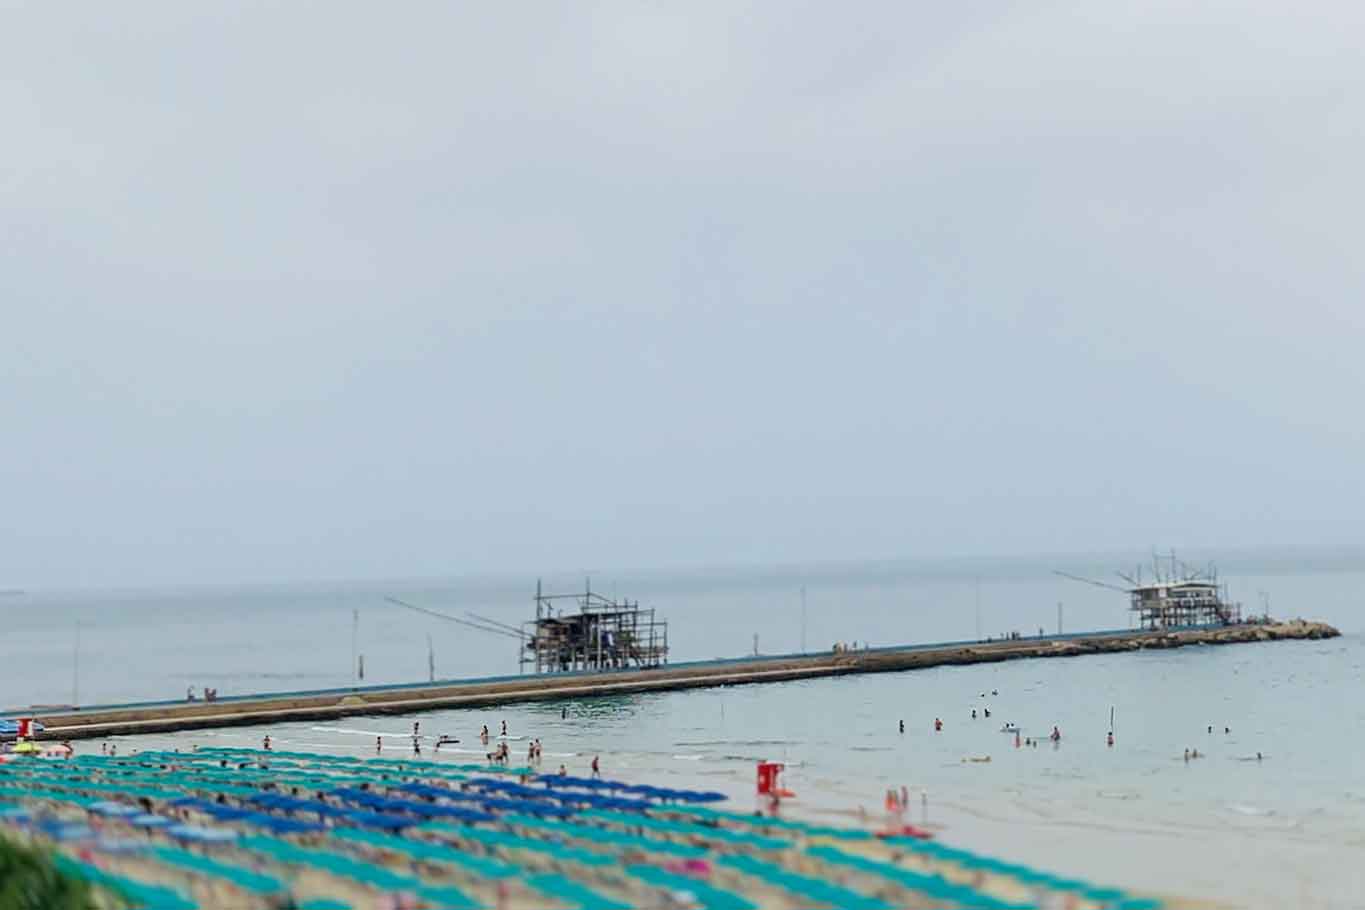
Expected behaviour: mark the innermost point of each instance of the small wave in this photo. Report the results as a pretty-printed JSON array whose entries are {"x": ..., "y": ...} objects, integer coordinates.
[
  {"x": 689, "y": 757},
  {"x": 352, "y": 732},
  {"x": 1251, "y": 810},
  {"x": 737, "y": 742}
]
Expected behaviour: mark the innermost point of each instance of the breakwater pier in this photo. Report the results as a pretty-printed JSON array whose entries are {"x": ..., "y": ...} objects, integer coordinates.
[{"x": 155, "y": 717}]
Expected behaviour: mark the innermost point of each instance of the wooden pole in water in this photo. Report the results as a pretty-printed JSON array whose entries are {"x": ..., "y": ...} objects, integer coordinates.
[
  {"x": 803, "y": 619},
  {"x": 978, "y": 608},
  {"x": 76, "y": 667}
]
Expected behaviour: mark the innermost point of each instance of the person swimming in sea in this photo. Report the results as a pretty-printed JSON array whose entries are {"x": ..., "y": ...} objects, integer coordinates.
[
  {"x": 973, "y": 714},
  {"x": 1056, "y": 735},
  {"x": 446, "y": 741},
  {"x": 938, "y": 725},
  {"x": 902, "y": 726}
]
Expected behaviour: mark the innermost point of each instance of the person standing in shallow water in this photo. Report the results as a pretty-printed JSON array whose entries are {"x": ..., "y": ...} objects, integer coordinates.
[{"x": 902, "y": 726}]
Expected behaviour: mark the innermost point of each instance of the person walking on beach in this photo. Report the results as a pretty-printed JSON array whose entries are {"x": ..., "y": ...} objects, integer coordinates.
[
  {"x": 266, "y": 742},
  {"x": 416, "y": 725},
  {"x": 563, "y": 771},
  {"x": 504, "y": 728},
  {"x": 378, "y": 744},
  {"x": 483, "y": 734},
  {"x": 596, "y": 768}
]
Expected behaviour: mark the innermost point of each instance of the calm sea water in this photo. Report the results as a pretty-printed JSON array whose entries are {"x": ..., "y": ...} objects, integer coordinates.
[{"x": 1283, "y": 831}]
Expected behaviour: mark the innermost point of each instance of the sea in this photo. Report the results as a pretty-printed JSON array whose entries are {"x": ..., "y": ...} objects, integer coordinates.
[{"x": 1272, "y": 813}]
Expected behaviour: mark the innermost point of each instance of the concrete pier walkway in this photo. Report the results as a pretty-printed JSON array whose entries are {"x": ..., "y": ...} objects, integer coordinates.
[{"x": 156, "y": 717}]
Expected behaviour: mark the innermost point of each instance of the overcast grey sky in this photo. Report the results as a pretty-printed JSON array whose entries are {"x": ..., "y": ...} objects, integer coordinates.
[{"x": 312, "y": 290}]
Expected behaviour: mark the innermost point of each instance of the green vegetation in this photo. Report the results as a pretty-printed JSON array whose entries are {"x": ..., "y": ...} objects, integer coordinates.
[{"x": 29, "y": 880}]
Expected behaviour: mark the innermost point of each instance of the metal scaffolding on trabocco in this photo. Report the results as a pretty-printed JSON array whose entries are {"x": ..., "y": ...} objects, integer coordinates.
[{"x": 587, "y": 631}]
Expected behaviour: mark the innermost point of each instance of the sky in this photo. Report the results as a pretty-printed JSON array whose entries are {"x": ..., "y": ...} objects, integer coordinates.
[{"x": 348, "y": 290}]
